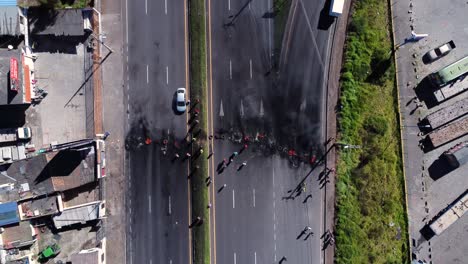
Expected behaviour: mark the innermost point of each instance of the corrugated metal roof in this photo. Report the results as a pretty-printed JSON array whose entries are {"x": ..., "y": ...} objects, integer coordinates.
[
  {"x": 8, "y": 3},
  {"x": 9, "y": 213},
  {"x": 9, "y": 21},
  {"x": 77, "y": 215}
]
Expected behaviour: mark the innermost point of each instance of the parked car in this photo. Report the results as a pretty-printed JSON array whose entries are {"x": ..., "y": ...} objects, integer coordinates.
[
  {"x": 439, "y": 52},
  {"x": 181, "y": 105}
]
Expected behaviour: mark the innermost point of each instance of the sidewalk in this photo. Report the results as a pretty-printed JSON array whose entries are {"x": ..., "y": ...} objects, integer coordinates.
[
  {"x": 113, "y": 114},
  {"x": 333, "y": 90}
]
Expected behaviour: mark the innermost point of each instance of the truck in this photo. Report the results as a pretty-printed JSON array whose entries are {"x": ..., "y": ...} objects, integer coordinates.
[
  {"x": 447, "y": 114},
  {"x": 451, "y": 214},
  {"x": 336, "y": 8},
  {"x": 449, "y": 132},
  {"x": 15, "y": 134},
  {"x": 457, "y": 156}
]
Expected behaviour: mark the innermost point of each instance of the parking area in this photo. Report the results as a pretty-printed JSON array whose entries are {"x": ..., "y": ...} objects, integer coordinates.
[
  {"x": 61, "y": 115},
  {"x": 429, "y": 194}
]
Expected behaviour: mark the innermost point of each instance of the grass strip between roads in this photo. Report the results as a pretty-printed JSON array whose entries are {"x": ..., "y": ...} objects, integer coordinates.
[
  {"x": 371, "y": 214},
  {"x": 199, "y": 164}
]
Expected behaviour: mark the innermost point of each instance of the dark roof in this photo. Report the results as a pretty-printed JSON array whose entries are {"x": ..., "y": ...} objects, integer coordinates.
[
  {"x": 58, "y": 22},
  {"x": 9, "y": 213},
  {"x": 50, "y": 172},
  {"x": 9, "y": 21},
  {"x": 8, "y": 97}
]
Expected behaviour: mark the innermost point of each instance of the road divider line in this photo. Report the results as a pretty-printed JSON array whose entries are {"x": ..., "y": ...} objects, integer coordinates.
[
  {"x": 146, "y": 6},
  {"x": 149, "y": 204},
  {"x": 235, "y": 258},
  {"x": 147, "y": 73},
  {"x": 251, "y": 69},
  {"x": 170, "y": 206},
  {"x": 253, "y": 197},
  {"x": 230, "y": 69},
  {"x": 167, "y": 74},
  {"x": 233, "y": 200},
  {"x": 126, "y": 24},
  {"x": 255, "y": 253},
  {"x": 165, "y": 6},
  {"x": 229, "y": 4}
]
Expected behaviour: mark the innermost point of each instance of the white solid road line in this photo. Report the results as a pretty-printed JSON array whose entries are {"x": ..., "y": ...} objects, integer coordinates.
[
  {"x": 126, "y": 22},
  {"x": 165, "y": 6},
  {"x": 250, "y": 68},
  {"x": 167, "y": 74},
  {"x": 229, "y": 4},
  {"x": 230, "y": 69},
  {"x": 255, "y": 257},
  {"x": 170, "y": 206},
  {"x": 146, "y": 6},
  {"x": 253, "y": 197},
  {"x": 233, "y": 200},
  {"x": 235, "y": 258},
  {"x": 147, "y": 73},
  {"x": 149, "y": 204}
]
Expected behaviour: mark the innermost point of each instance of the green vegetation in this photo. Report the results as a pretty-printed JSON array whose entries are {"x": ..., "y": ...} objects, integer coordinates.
[
  {"x": 198, "y": 91},
  {"x": 371, "y": 213},
  {"x": 281, "y": 12},
  {"x": 57, "y": 4}
]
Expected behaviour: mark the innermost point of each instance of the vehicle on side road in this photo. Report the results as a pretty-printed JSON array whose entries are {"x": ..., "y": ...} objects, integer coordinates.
[
  {"x": 449, "y": 73},
  {"x": 181, "y": 104},
  {"x": 447, "y": 114},
  {"x": 336, "y": 8},
  {"x": 457, "y": 156},
  {"x": 451, "y": 214},
  {"x": 15, "y": 134},
  {"x": 439, "y": 52},
  {"x": 49, "y": 252},
  {"x": 449, "y": 132}
]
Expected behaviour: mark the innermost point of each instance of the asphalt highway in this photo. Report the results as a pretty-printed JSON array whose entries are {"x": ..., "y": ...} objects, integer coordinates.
[
  {"x": 156, "y": 66},
  {"x": 254, "y": 220}
]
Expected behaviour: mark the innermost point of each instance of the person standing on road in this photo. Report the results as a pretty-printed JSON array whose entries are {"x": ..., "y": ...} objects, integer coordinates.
[
  {"x": 222, "y": 188},
  {"x": 242, "y": 165}
]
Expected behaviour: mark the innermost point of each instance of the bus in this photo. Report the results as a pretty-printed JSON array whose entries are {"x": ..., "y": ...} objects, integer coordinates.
[{"x": 449, "y": 73}]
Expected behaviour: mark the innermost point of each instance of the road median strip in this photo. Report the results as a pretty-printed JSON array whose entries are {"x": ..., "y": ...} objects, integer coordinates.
[{"x": 199, "y": 105}]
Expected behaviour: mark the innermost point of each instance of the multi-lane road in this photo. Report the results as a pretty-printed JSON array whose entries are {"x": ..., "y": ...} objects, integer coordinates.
[
  {"x": 250, "y": 94},
  {"x": 157, "y": 204},
  {"x": 253, "y": 221}
]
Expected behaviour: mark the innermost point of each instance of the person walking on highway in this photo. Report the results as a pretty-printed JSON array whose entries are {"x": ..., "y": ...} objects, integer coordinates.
[
  {"x": 242, "y": 165},
  {"x": 222, "y": 188}
]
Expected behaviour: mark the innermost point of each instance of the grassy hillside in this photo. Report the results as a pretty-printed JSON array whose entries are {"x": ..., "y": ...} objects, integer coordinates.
[{"x": 372, "y": 221}]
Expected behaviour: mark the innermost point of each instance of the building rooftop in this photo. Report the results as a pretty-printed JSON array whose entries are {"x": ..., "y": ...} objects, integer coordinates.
[
  {"x": 86, "y": 257},
  {"x": 47, "y": 205},
  {"x": 9, "y": 213},
  {"x": 47, "y": 173},
  {"x": 9, "y": 19},
  {"x": 8, "y": 96},
  {"x": 58, "y": 22},
  {"x": 18, "y": 235},
  {"x": 79, "y": 214}
]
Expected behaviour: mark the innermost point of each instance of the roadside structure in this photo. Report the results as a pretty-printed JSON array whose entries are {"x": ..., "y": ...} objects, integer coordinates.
[{"x": 45, "y": 193}]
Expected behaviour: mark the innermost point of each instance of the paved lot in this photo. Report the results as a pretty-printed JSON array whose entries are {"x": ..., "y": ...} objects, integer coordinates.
[
  {"x": 426, "y": 196},
  {"x": 61, "y": 114},
  {"x": 70, "y": 241}
]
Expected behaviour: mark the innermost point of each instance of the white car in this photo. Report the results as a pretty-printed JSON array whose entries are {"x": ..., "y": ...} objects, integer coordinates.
[{"x": 181, "y": 105}]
